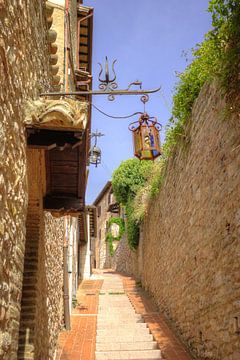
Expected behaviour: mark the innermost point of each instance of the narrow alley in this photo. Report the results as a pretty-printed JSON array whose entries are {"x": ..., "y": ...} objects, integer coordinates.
[
  {"x": 119, "y": 180},
  {"x": 115, "y": 319}
]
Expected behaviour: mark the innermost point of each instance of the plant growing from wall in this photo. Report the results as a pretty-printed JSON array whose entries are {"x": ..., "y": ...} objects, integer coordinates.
[
  {"x": 217, "y": 57},
  {"x": 127, "y": 180},
  {"x": 110, "y": 238}
]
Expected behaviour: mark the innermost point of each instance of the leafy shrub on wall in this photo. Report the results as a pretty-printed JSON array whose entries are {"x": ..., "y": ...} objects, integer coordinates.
[
  {"x": 110, "y": 237},
  {"x": 127, "y": 180},
  {"x": 217, "y": 57}
]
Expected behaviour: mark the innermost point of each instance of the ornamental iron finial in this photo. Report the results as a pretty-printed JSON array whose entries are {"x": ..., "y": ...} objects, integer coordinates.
[{"x": 107, "y": 84}]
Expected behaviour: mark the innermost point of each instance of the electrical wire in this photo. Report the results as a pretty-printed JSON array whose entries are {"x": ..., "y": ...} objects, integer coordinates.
[{"x": 116, "y": 117}]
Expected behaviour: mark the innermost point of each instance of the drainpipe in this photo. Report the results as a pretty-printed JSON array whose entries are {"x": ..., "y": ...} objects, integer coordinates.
[
  {"x": 70, "y": 265},
  {"x": 66, "y": 45},
  {"x": 65, "y": 277},
  {"x": 88, "y": 244}
]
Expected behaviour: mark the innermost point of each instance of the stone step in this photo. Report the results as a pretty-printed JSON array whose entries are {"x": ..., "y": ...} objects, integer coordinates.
[
  {"x": 27, "y": 316},
  {"x": 116, "y": 309},
  {"x": 30, "y": 267},
  {"x": 31, "y": 255},
  {"x": 30, "y": 260},
  {"x": 30, "y": 285},
  {"x": 29, "y": 308},
  {"x": 149, "y": 345},
  {"x": 131, "y": 315},
  {"x": 122, "y": 332},
  {"x": 113, "y": 299},
  {"x": 134, "y": 355},
  {"x": 25, "y": 347},
  {"x": 124, "y": 338},
  {"x": 29, "y": 294},
  {"x": 112, "y": 325},
  {"x": 28, "y": 301},
  {"x": 109, "y": 313},
  {"x": 120, "y": 323},
  {"x": 29, "y": 273},
  {"x": 113, "y": 293},
  {"x": 105, "y": 301},
  {"x": 27, "y": 324},
  {"x": 113, "y": 306},
  {"x": 23, "y": 340},
  {"x": 25, "y": 337},
  {"x": 25, "y": 356}
]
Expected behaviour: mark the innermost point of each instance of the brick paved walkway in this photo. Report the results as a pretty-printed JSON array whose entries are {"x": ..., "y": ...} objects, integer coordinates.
[{"x": 80, "y": 342}]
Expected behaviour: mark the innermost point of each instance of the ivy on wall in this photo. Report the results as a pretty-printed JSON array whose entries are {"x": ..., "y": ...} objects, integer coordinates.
[
  {"x": 110, "y": 238},
  {"x": 127, "y": 180},
  {"x": 216, "y": 58}
]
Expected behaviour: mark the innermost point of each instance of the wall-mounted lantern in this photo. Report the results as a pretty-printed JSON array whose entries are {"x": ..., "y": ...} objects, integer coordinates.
[
  {"x": 95, "y": 155},
  {"x": 95, "y": 152},
  {"x": 146, "y": 137},
  {"x": 145, "y": 133}
]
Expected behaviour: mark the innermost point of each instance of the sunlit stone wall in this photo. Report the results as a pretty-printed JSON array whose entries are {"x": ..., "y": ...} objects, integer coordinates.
[
  {"x": 191, "y": 248},
  {"x": 23, "y": 73}
]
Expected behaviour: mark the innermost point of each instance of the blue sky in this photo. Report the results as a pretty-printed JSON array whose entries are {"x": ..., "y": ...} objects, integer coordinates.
[{"x": 148, "y": 39}]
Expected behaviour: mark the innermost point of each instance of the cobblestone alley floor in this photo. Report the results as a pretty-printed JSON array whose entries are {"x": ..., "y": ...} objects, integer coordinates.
[{"x": 116, "y": 319}]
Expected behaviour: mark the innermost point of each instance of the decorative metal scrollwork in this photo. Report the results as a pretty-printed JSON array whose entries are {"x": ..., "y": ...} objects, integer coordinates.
[{"x": 108, "y": 84}]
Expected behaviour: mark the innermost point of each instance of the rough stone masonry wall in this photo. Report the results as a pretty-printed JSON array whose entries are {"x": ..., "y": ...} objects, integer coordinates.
[
  {"x": 50, "y": 288},
  {"x": 103, "y": 259},
  {"x": 191, "y": 248},
  {"x": 23, "y": 72},
  {"x": 124, "y": 259}
]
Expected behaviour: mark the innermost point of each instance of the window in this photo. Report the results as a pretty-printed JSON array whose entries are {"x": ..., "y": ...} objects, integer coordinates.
[{"x": 99, "y": 210}]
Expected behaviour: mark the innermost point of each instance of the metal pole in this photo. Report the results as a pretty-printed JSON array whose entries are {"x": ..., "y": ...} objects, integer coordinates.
[
  {"x": 99, "y": 92},
  {"x": 65, "y": 278}
]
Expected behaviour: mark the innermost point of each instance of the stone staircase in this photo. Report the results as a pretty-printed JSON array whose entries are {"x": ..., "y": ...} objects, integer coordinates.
[
  {"x": 121, "y": 333},
  {"x": 29, "y": 290}
]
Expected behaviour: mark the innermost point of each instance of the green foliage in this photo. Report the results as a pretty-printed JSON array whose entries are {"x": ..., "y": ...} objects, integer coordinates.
[
  {"x": 109, "y": 237},
  {"x": 156, "y": 177},
  {"x": 128, "y": 178},
  {"x": 149, "y": 190},
  {"x": 217, "y": 57},
  {"x": 133, "y": 226},
  {"x": 221, "y": 11}
]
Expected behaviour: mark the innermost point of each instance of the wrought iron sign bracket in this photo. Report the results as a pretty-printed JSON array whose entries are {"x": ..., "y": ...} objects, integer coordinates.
[{"x": 108, "y": 87}]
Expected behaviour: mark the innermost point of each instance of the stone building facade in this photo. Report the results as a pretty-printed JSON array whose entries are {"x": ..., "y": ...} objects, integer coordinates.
[
  {"x": 106, "y": 207},
  {"x": 189, "y": 251},
  {"x": 36, "y": 58}
]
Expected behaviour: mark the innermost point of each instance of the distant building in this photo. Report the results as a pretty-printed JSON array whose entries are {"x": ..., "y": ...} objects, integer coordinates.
[{"x": 106, "y": 207}]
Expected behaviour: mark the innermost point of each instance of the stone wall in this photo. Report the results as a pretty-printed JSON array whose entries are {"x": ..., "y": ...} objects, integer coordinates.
[
  {"x": 191, "y": 248},
  {"x": 50, "y": 288},
  {"x": 103, "y": 259},
  {"x": 24, "y": 72},
  {"x": 58, "y": 26},
  {"x": 124, "y": 259}
]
